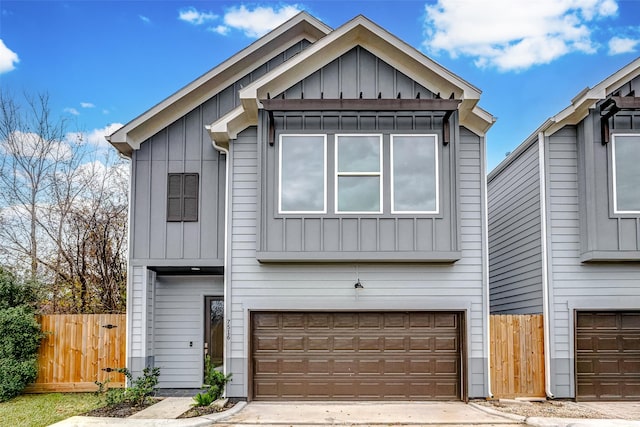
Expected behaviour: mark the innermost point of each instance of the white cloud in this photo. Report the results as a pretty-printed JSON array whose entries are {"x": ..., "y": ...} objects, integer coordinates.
[
  {"x": 220, "y": 29},
  {"x": 8, "y": 58},
  {"x": 144, "y": 19},
  {"x": 87, "y": 105},
  {"x": 33, "y": 145},
  {"x": 618, "y": 45},
  {"x": 72, "y": 111},
  {"x": 514, "y": 34},
  {"x": 96, "y": 137},
  {"x": 196, "y": 17},
  {"x": 260, "y": 20}
]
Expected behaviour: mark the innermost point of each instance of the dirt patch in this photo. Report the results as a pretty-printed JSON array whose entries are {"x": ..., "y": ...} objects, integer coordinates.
[
  {"x": 547, "y": 408},
  {"x": 120, "y": 410},
  {"x": 198, "y": 411}
]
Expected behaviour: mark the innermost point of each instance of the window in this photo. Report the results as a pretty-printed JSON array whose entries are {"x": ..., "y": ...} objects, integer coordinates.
[
  {"x": 302, "y": 177},
  {"x": 358, "y": 173},
  {"x": 626, "y": 173},
  {"x": 182, "y": 197},
  {"x": 414, "y": 174}
]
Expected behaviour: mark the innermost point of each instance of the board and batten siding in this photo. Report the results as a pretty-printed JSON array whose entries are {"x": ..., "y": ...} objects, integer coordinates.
[
  {"x": 575, "y": 285},
  {"x": 330, "y": 286},
  {"x": 605, "y": 236},
  {"x": 515, "y": 245},
  {"x": 185, "y": 147}
]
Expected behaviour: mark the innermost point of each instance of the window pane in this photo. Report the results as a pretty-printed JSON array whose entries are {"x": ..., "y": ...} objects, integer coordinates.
[
  {"x": 358, "y": 153},
  {"x": 414, "y": 174},
  {"x": 302, "y": 173},
  {"x": 627, "y": 159},
  {"x": 359, "y": 194}
]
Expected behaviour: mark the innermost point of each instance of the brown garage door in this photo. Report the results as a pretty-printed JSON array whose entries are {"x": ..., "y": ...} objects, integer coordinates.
[
  {"x": 608, "y": 355},
  {"x": 363, "y": 355}
]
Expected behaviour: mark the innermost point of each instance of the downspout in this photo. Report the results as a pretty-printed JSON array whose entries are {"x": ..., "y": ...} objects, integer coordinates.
[
  {"x": 485, "y": 263},
  {"x": 225, "y": 280},
  {"x": 545, "y": 269}
]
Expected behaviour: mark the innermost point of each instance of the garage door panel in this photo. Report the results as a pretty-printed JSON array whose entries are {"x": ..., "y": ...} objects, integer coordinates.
[
  {"x": 631, "y": 322},
  {"x": 367, "y": 355},
  {"x": 631, "y": 343},
  {"x": 608, "y": 355}
]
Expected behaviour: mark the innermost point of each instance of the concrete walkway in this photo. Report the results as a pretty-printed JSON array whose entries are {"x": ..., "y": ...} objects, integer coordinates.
[{"x": 167, "y": 408}]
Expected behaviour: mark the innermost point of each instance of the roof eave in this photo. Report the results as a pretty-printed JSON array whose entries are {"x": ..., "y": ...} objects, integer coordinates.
[
  {"x": 361, "y": 31},
  {"x": 184, "y": 100}
]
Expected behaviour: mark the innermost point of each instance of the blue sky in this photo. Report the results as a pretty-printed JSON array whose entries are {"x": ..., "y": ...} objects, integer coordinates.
[{"x": 105, "y": 62}]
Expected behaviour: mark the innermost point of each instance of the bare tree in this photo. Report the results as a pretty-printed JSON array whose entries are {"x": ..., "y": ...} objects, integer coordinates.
[
  {"x": 63, "y": 210},
  {"x": 32, "y": 153}
]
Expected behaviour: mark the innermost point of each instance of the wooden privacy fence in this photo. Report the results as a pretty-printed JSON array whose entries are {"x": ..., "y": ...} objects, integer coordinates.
[
  {"x": 517, "y": 355},
  {"x": 78, "y": 350}
]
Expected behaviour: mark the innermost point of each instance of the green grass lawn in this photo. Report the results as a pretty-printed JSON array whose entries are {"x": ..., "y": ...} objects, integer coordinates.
[{"x": 39, "y": 410}]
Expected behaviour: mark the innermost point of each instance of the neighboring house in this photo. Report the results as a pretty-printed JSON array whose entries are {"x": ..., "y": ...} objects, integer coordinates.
[
  {"x": 311, "y": 213},
  {"x": 564, "y": 239}
]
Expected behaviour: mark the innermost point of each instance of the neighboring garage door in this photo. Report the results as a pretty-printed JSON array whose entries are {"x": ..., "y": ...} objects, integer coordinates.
[
  {"x": 362, "y": 355},
  {"x": 608, "y": 355}
]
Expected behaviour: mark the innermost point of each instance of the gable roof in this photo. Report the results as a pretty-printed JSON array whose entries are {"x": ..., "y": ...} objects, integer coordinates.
[
  {"x": 577, "y": 110},
  {"x": 327, "y": 45},
  {"x": 363, "y": 32},
  {"x": 302, "y": 26}
]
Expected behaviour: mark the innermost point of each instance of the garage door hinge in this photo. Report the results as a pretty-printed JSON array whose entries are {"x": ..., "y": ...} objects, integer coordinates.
[{"x": 109, "y": 326}]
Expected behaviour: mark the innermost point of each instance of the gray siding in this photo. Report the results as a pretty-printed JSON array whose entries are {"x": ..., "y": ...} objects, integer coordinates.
[
  {"x": 575, "y": 285},
  {"x": 515, "y": 257},
  {"x": 604, "y": 234},
  {"x": 329, "y": 286},
  {"x": 185, "y": 146},
  {"x": 179, "y": 328},
  {"x": 335, "y": 237}
]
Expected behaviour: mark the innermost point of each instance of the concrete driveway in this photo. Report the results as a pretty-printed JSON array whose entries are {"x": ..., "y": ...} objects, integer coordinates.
[
  {"x": 622, "y": 410},
  {"x": 364, "y": 413}
]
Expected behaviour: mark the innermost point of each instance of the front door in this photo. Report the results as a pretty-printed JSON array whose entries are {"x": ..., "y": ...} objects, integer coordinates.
[{"x": 214, "y": 329}]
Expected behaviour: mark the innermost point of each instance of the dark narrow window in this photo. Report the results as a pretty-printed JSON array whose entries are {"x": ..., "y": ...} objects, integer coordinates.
[{"x": 182, "y": 197}]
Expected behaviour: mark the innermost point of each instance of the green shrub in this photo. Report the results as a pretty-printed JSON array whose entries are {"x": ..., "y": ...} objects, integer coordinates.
[
  {"x": 137, "y": 393},
  {"x": 15, "y": 375},
  {"x": 216, "y": 382},
  {"x": 21, "y": 336},
  {"x": 13, "y": 293},
  {"x": 203, "y": 399}
]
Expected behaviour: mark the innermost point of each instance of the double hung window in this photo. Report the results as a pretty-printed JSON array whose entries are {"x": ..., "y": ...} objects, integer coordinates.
[
  {"x": 358, "y": 174},
  {"x": 626, "y": 173}
]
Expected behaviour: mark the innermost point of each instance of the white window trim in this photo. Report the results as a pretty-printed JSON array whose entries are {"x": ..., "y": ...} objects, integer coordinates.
[
  {"x": 437, "y": 173},
  {"x": 338, "y": 174},
  {"x": 615, "y": 174},
  {"x": 324, "y": 171}
]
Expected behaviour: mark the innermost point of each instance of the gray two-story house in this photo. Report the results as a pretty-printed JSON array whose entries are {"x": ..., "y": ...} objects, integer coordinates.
[
  {"x": 311, "y": 214},
  {"x": 564, "y": 239}
]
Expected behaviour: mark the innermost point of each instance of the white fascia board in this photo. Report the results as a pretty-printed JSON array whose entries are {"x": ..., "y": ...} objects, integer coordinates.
[
  {"x": 478, "y": 121},
  {"x": 203, "y": 88},
  {"x": 361, "y": 31},
  {"x": 588, "y": 98}
]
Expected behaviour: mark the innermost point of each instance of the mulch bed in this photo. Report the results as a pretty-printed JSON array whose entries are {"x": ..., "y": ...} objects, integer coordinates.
[{"x": 121, "y": 410}]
